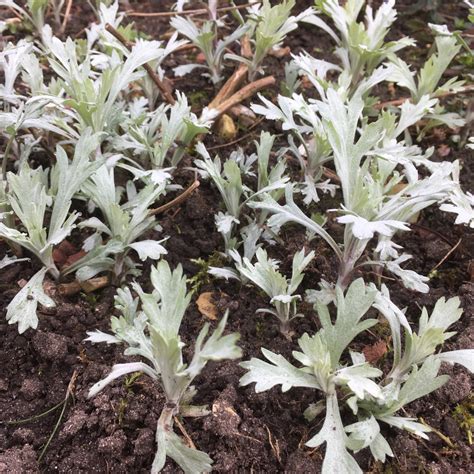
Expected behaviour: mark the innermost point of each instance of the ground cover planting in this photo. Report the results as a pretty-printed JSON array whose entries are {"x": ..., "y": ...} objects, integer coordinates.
[{"x": 236, "y": 236}]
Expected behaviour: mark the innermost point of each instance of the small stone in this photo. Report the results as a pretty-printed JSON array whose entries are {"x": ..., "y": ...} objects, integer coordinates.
[
  {"x": 226, "y": 128},
  {"x": 113, "y": 444},
  {"x": 23, "y": 436},
  {"x": 50, "y": 346},
  {"x": 145, "y": 442},
  {"x": 3, "y": 385},
  {"x": 31, "y": 388},
  {"x": 73, "y": 425},
  {"x": 17, "y": 460}
]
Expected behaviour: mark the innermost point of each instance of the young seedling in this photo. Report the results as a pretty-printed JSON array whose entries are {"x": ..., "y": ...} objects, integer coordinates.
[
  {"x": 30, "y": 194},
  {"x": 205, "y": 38},
  {"x": 324, "y": 368},
  {"x": 264, "y": 274},
  {"x": 123, "y": 225},
  {"x": 228, "y": 178},
  {"x": 153, "y": 334},
  {"x": 269, "y": 27}
]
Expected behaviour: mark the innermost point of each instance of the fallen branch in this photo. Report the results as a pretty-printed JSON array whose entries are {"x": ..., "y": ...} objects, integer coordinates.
[
  {"x": 234, "y": 81},
  {"x": 88, "y": 286},
  {"x": 177, "y": 200},
  {"x": 199, "y": 11},
  {"x": 248, "y": 91},
  {"x": 162, "y": 87}
]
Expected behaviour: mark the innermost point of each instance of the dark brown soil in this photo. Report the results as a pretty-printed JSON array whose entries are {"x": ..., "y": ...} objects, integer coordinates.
[{"x": 114, "y": 432}]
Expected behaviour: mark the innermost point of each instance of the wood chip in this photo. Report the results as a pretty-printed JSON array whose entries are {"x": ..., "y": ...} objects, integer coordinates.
[
  {"x": 206, "y": 305},
  {"x": 375, "y": 352}
]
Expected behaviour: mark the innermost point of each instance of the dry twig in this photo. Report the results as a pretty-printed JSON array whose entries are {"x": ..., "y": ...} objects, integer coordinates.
[
  {"x": 199, "y": 11},
  {"x": 67, "y": 14},
  {"x": 177, "y": 200}
]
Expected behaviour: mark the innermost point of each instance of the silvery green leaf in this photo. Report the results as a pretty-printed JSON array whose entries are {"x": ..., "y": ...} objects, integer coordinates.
[
  {"x": 434, "y": 68},
  {"x": 411, "y": 113},
  {"x": 99, "y": 259},
  {"x": 227, "y": 179},
  {"x": 351, "y": 308},
  {"x": 166, "y": 306},
  {"x": 357, "y": 378},
  {"x": 95, "y": 223},
  {"x": 22, "y": 308},
  {"x": 99, "y": 336},
  {"x": 461, "y": 204},
  {"x": 387, "y": 249},
  {"x": 149, "y": 249},
  {"x": 336, "y": 459},
  {"x": 6, "y": 260},
  {"x": 300, "y": 262},
  {"x": 363, "y": 229},
  {"x": 264, "y": 273},
  {"x": 420, "y": 382},
  {"x": 362, "y": 434},
  {"x": 441, "y": 30},
  {"x": 395, "y": 318},
  {"x": 118, "y": 370},
  {"x": 463, "y": 357},
  {"x": 216, "y": 347},
  {"x": 290, "y": 212},
  {"x": 407, "y": 424},
  {"x": 286, "y": 299},
  {"x": 190, "y": 460},
  {"x": 279, "y": 372},
  {"x": 411, "y": 279},
  {"x": 380, "y": 448},
  {"x": 180, "y": 71},
  {"x": 326, "y": 295},
  {"x": 445, "y": 313},
  {"x": 225, "y": 222},
  {"x": 316, "y": 357},
  {"x": 313, "y": 410},
  {"x": 225, "y": 272}
]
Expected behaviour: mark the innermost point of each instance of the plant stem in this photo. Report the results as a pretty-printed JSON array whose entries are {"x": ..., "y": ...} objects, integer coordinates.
[{"x": 5, "y": 156}]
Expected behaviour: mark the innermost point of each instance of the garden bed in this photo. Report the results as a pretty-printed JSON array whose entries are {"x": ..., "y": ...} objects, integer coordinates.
[{"x": 246, "y": 431}]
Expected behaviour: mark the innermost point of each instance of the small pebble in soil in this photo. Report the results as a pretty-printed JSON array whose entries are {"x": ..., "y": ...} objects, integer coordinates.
[
  {"x": 31, "y": 388},
  {"x": 73, "y": 425},
  {"x": 113, "y": 444},
  {"x": 145, "y": 442},
  {"x": 50, "y": 346},
  {"x": 17, "y": 460}
]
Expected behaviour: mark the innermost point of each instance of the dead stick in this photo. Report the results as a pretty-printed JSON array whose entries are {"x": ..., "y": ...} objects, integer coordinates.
[
  {"x": 200, "y": 11},
  {"x": 185, "y": 433},
  {"x": 446, "y": 256},
  {"x": 248, "y": 91},
  {"x": 177, "y": 200},
  {"x": 165, "y": 92},
  {"x": 66, "y": 16},
  {"x": 234, "y": 81}
]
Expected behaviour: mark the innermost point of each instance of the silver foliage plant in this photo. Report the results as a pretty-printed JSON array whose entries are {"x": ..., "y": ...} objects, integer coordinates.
[
  {"x": 326, "y": 364},
  {"x": 152, "y": 333},
  {"x": 384, "y": 179},
  {"x": 374, "y": 158}
]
